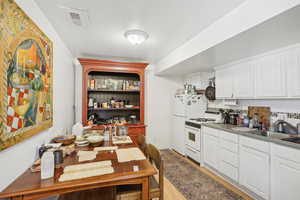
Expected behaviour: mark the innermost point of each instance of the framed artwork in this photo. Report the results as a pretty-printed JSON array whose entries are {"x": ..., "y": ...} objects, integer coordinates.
[{"x": 26, "y": 87}]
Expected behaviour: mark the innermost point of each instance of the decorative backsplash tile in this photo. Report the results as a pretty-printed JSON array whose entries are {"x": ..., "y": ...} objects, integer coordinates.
[{"x": 293, "y": 115}]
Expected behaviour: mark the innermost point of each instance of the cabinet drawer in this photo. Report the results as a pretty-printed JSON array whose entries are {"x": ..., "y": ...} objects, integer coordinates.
[
  {"x": 286, "y": 152},
  {"x": 229, "y": 157},
  {"x": 195, "y": 155},
  {"x": 229, "y": 170},
  {"x": 255, "y": 144},
  {"x": 229, "y": 136},
  {"x": 211, "y": 131},
  {"x": 233, "y": 147},
  {"x": 136, "y": 130}
]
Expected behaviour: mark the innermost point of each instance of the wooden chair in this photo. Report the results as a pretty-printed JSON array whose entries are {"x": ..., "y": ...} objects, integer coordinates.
[
  {"x": 133, "y": 192},
  {"x": 141, "y": 141}
]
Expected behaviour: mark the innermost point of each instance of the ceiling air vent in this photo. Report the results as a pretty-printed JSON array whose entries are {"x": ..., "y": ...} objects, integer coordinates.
[
  {"x": 76, "y": 18},
  {"x": 79, "y": 17}
]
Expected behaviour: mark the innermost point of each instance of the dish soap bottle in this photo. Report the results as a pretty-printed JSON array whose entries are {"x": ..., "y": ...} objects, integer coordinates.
[
  {"x": 246, "y": 121},
  {"x": 47, "y": 165}
]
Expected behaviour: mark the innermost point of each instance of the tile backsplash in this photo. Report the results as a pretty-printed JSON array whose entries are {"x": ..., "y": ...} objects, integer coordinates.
[{"x": 288, "y": 110}]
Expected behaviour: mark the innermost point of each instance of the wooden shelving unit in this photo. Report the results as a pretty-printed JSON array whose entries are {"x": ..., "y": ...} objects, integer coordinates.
[{"x": 120, "y": 71}]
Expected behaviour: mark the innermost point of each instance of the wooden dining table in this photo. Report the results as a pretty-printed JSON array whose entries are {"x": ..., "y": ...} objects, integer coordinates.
[{"x": 30, "y": 185}]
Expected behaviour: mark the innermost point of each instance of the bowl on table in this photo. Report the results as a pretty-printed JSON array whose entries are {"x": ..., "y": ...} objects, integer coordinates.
[
  {"x": 65, "y": 139},
  {"x": 81, "y": 141},
  {"x": 95, "y": 140},
  {"x": 91, "y": 132}
]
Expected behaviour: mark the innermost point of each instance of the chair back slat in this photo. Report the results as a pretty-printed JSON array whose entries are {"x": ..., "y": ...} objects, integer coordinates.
[
  {"x": 141, "y": 142},
  {"x": 155, "y": 157}
]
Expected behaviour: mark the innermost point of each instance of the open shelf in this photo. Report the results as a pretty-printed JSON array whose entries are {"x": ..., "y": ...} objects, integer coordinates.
[
  {"x": 114, "y": 109},
  {"x": 116, "y": 91}
]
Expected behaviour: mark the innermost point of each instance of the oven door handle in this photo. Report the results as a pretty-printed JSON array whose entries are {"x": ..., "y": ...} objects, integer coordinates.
[{"x": 191, "y": 150}]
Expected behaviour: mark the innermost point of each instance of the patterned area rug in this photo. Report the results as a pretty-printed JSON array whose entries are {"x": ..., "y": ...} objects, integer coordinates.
[{"x": 191, "y": 182}]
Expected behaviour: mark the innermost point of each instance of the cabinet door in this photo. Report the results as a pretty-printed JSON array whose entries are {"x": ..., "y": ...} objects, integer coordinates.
[
  {"x": 243, "y": 80},
  {"x": 254, "y": 171},
  {"x": 211, "y": 150},
  {"x": 285, "y": 179},
  {"x": 224, "y": 83},
  {"x": 270, "y": 74},
  {"x": 178, "y": 139},
  {"x": 293, "y": 67}
]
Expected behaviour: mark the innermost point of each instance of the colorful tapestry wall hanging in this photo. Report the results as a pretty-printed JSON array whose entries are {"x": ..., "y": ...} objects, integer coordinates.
[{"x": 26, "y": 56}]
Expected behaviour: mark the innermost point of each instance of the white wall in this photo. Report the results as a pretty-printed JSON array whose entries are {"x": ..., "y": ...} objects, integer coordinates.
[
  {"x": 247, "y": 15},
  {"x": 158, "y": 104},
  {"x": 78, "y": 92},
  {"x": 15, "y": 160}
]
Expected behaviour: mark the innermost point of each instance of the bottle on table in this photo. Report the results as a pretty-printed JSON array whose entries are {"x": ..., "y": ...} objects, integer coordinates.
[{"x": 47, "y": 165}]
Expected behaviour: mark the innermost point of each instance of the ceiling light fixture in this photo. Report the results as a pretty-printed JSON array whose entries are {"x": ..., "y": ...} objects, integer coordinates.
[{"x": 136, "y": 37}]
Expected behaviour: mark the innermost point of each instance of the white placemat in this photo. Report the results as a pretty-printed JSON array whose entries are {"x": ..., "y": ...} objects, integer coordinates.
[
  {"x": 129, "y": 154},
  {"x": 85, "y": 174},
  {"x": 87, "y": 166},
  {"x": 86, "y": 155}
]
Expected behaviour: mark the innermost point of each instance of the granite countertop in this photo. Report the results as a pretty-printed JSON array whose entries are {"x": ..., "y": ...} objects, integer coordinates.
[{"x": 271, "y": 137}]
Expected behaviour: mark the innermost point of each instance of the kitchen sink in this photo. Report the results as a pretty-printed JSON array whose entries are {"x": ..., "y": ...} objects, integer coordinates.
[
  {"x": 292, "y": 139},
  {"x": 243, "y": 129}
]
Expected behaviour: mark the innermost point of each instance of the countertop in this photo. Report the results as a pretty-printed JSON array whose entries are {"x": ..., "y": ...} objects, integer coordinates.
[{"x": 272, "y": 137}]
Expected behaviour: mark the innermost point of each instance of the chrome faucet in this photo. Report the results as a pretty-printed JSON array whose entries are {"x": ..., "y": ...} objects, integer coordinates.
[
  {"x": 298, "y": 128},
  {"x": 285, "y": 127}
]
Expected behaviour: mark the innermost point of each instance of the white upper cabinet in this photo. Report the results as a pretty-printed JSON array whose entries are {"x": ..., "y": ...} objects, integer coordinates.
[
  {"x": 243, "y": 82},
  {"x": 293, "y": 72},
  {"x": 224, "y": 83},
  {"x": 273, "y": 75},
  {"x": 270, "y": 73}
]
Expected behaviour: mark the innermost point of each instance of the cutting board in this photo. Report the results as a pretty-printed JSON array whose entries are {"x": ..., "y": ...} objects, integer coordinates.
[{"x": 264, "y": 114}]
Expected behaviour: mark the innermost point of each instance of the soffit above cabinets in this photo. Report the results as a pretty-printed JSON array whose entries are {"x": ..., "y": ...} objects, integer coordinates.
[
  {"x": 169, "y": 23},
  {"x": 280, "y": 31}
]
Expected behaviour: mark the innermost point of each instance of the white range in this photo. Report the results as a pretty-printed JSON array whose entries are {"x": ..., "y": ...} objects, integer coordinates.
[{"x": 193, "y": 136}]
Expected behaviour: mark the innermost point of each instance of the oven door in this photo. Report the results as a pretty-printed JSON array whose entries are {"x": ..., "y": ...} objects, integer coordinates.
[{"x": 192, "y": 137}]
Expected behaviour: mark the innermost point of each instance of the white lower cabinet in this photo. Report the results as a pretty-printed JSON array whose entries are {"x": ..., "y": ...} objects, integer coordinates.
[
  {"x": 226, "y": 164},
  {"x": 221, "y": 153},
  {"x": 285, "y": 173},
  {"x": 254, "y": 170},
  {"x": 211, "y": 149},
  {"x": 268, "y": 170},
  {"x": 245, "y": 161}
]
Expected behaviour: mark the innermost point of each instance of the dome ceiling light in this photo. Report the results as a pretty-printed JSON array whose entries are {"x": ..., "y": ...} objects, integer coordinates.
[{"x": 136, "y": 37}]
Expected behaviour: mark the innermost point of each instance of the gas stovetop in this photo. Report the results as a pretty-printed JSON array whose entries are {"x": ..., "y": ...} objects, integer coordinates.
[
  {"x": 196, "y": 122},
  {"x": 201, "y": 120}
]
